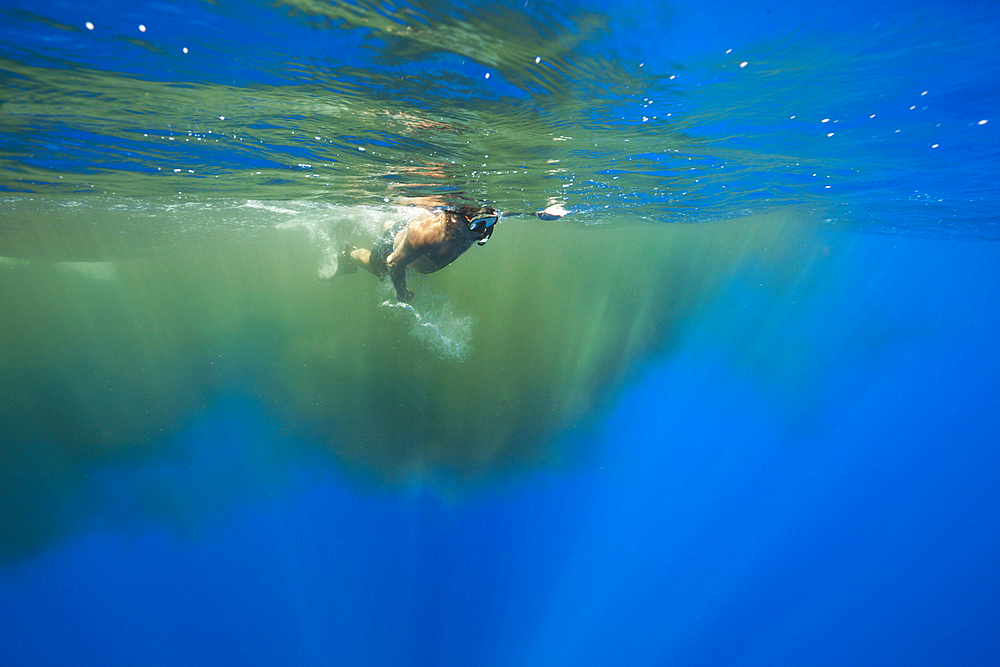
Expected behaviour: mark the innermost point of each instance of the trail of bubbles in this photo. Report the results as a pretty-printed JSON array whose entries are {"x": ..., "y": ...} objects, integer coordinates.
[{"x": 439, "y": 329}]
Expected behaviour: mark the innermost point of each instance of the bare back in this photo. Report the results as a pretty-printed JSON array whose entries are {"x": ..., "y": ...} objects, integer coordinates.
[{"x": 432, "y": 241}]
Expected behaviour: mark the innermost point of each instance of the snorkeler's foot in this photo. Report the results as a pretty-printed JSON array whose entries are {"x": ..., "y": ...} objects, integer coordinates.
[{"x": 345, "y": 264}]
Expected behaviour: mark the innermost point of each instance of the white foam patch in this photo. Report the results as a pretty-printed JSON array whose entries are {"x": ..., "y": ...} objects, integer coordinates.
[
  {"x": 330, "y": 227},
  {"x": 271, "y": 207},
  {"x": 12, "y": 262},
  {"x": 96, "y": 271},
  {"x": 438, "y": 327}
]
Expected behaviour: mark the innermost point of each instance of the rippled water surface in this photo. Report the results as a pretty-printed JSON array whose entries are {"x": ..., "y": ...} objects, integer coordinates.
[{"x": 877, "y": 119}]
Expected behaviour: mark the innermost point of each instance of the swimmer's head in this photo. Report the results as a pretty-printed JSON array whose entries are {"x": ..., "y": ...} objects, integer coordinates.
[{"x": 480, "y": 218}]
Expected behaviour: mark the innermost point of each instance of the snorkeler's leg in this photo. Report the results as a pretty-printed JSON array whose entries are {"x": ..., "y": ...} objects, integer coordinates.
[{"x": 360, "y": 257}]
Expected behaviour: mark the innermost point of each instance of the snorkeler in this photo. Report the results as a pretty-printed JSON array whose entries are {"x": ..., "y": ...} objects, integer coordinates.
[{"x": 429, "y": 242}]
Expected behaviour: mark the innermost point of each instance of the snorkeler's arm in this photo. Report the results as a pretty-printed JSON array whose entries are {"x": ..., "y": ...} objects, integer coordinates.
[
  {"x": 397, "y": 262},
  {"x": 425, "y": 236},
  {"x": 398, "y": 275}
]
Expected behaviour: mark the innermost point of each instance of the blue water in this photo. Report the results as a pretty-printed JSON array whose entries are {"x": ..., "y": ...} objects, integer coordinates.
[{"x": 806, "y": 474}]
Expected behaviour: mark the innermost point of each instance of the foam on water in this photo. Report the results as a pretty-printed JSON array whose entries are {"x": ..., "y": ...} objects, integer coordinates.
[
  {"x": 330, "y": 227},
  {"x": 97, "y": 271}
]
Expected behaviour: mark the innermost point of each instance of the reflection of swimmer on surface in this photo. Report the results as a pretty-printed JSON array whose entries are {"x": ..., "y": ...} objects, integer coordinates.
[{"x": 429, "y": 242}]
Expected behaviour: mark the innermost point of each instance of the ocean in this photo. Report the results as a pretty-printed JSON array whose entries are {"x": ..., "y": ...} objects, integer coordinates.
[{"x": 738, "y": 406}]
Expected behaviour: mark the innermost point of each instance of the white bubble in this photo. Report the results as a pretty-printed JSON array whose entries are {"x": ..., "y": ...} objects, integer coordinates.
[
  {"x": 142, "y": 28},
  {"x": 185, "y": 49},
  {"x": 90, "y": 26},
  {"x": 983, "y": 122},
  {"x": 222, "y": 118},
  {"x": 538, "y": 59},
  {"x": 743, "y": 64},
  {"x": 487, "y": 75}
]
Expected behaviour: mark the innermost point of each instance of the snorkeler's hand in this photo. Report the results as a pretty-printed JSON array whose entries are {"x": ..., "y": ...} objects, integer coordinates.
[{"x": 552, "y": 212}]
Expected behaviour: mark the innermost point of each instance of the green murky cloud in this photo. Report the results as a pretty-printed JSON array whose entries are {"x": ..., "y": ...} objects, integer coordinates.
[{"x": 104, "y": 361}]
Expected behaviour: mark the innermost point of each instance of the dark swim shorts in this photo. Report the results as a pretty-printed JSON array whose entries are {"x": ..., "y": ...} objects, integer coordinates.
[{"x": 383, "y": 248}]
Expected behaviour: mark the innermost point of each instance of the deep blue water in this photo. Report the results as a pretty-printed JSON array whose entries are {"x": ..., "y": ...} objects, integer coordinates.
[
  {"x": 705, "y": 531},
  {"x": 805, "y": 475}
]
